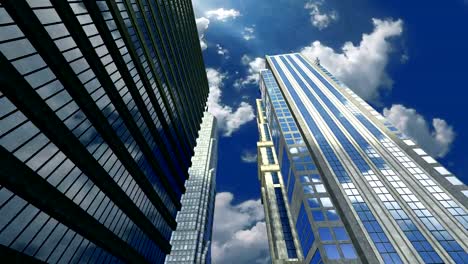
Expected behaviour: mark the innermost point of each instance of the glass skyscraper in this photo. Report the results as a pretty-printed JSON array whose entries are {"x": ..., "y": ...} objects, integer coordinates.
[
  {"x": 191, "y": 242},
  {"x": 100, "y": 105},
  {"x": 355, "y": 189}
]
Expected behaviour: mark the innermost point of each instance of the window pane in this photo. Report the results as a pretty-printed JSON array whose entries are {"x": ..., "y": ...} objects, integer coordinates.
[
  {"x": 325, "y": 234},
  {"x": 313, "y": 203},
  {"x": 348, "y": 251},
  {"x": 332, "y": 251},
  {"x": 340, "y": 233}
]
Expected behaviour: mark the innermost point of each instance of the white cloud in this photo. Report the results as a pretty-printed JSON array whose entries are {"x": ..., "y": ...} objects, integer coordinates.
[
  {"x": 202, "y": 26},
  {"x": 255, "y": 65},
  {"x": 319, "y": 19},
  {"x": 361, "y": 67},
  {"x": 222, "y": 14},
  {"x": 248, "y": 33},
  {"x": 249, "y": 157},
  {"x": 222, "y": 51},
  {"x": 436, "y": 140},
  {"x": 228, "y": 119},
  {"x": 239, "y": 232}
]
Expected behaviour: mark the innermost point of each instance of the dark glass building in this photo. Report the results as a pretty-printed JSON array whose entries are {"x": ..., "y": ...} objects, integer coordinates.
[
  {"x": 343, "y": 185},
  {"x": 100, "y": 105}
]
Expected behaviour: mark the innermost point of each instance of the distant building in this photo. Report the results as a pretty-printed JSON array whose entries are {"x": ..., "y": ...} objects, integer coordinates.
[
  {"x": 191, "y": 242},
  {"x": 357, "y": 190},
  {"x": 100, "y": 105}
]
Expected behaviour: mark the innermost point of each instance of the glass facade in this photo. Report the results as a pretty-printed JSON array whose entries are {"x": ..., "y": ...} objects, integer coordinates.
[
  {"x": 191, "y": 242},
  {"x": 99, "y": 118},
  {"x": 394, "y": 203},
  {"x": 284, "y": 243}
]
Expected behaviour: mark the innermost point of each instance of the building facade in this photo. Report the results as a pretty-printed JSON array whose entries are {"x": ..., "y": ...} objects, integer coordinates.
[
  {"x": 100, "y": 105},
  {"x": 282, "y": 236},
  {"x": 191, "y": 242},
  {"x": 357, "y": 190}
]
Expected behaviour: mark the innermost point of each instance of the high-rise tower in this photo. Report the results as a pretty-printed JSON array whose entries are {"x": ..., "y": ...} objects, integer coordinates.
[
  {"x": 191, "y": 242},
  {"x": 357, "y": 190},
  {"x": 100, "y": 105}
]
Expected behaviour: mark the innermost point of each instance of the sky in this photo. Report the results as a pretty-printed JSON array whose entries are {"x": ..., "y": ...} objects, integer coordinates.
[{"x": 406, "y": 58}]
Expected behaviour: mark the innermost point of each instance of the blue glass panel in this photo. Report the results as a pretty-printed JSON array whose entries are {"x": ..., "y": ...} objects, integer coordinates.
[
  {"x": 332, "y": 251},
  {"x": 348, "y": 251}
]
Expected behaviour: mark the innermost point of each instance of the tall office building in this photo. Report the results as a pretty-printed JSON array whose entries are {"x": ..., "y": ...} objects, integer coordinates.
[
  {"x": 357, "y": 190},
  {"x": 191, "y": 242},
  {"x": 100, "y": 105}
]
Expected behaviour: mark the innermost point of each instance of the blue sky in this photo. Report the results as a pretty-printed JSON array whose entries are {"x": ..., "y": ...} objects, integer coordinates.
[{"x": 406, "y": 58}]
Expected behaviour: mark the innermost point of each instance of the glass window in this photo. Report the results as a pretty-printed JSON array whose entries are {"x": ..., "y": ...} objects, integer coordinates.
[
  {"x": 332, "y": 251},
  {"x": 325, "y": 234},
  {"x": 315, "y": 178},
  {"x": 320, "y": 188},
  {"x": 348, "y": 251},
  {"x": 313, "y": 203},
  {"x": 326, "y": 202},
  {"x": 304, "y": 179},
  {"x": 332, "y": 215},
  {"x": 340, "y": 233},
  {"x": 318, "y": 216},
  {"x": 308, "y": 189}
]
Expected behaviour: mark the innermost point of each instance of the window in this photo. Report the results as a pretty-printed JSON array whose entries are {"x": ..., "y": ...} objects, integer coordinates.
[
  {"x": 308, "y": 189},
  {"x": 348, "y": 251},
  {"x": 340, "y": 233},
  {"x": 313, "y": 203},
  {"x": 325, "y": 234},
  {"x": 332, "y": 251},
  {"x": 320, "y": 188},
  {"x": 318, "y": 216},
  {"x": 332, "y": 215},
  {"x": 326, "y": 202}
]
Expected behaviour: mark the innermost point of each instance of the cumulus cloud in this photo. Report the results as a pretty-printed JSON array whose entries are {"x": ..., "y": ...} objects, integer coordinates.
[
  {"x": 228, "y": 119},
  {"x": 435, "y": 139},
  {"x": 222, "y": 14},
  {"x": 361, "y": 67},
  {"x": 254, "y": 67},
  {"x": 202, "y": 26},
  {"x": 248, "y": 33},
  {"x": 239, "y": 232},
  {"x": 249, "y": 157},
  {"x": 319, "y": 19}
]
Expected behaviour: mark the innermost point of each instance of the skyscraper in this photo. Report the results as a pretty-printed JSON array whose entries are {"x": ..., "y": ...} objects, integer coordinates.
[
  {"x": 358, "y": 190},
  {"x": 100, "y": 105},
  {"x": 191, "y": 242}
]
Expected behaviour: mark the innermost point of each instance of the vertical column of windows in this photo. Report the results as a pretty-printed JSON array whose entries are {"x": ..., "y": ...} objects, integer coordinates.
[
  {"x": 76, "y": 121},
  {"x": 174, "y": 77},
  {"x": 378, "y": 236},
  {"x": 304, "y": 168},
  {"x": 426, "y": 182},
  {"x": 408, "y": 227},
  {"x": 164, "y": 101},
  {"x": 187, "y": 20},
  {"x": 166, "y": 81},
  {"x": 87, "y": 24},
  {"x": 306, "y": 235},
  {"x": 85, "y": 20},
  {"x": 194, "y": 219},
  {"x": 287, "y": 233},
  {"x": 406, "y": 224},
  {"x": 132, "y": 69}
]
